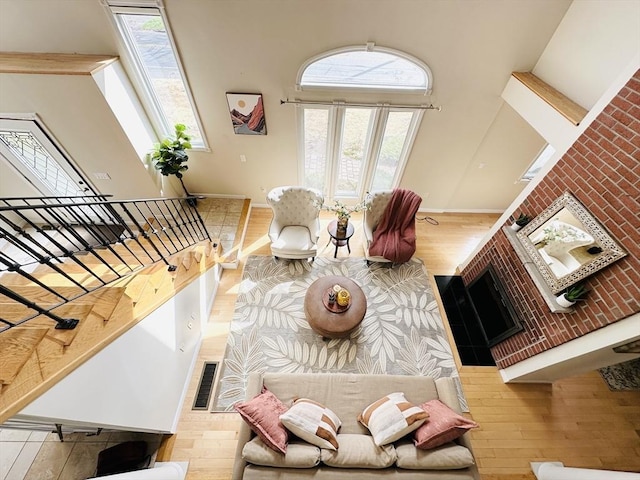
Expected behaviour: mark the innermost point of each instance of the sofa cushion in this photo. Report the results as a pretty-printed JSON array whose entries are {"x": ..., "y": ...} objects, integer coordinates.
[
  {"x": 449, "y": 456},
  {"x": 299, "y": 454},
  {"x": 262, "y": 414},
  {"x": 444, "y": 425},
  {"x": 346, "y": 394},
  {"x": 358, "y": 451},
  {"x": 391, "y": 418},
  {"x": 313, "y": 422}
]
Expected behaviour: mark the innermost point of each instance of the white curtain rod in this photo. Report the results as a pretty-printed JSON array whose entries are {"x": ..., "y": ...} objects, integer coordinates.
[{"x": 349, "y": 104}]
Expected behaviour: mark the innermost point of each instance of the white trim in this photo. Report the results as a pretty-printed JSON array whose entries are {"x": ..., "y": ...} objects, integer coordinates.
[
  {"x": 31, "y": 122},
  {"x": 299, "y": 143},
  {"x": 219, "y": 195},
  {"x": 146, "y": 92},
  {"x": 588, "y": 352},
  {"x": 409, "y": 141},
  {"x": 369, "y": 47},
  {"x": 373, "y": 144},
  {"x": 542, "y": 153},
  {"x": 133, "y": 3}
]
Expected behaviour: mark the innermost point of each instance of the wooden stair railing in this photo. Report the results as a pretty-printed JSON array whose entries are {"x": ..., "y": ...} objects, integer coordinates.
[{"x": 35, "y": 356}]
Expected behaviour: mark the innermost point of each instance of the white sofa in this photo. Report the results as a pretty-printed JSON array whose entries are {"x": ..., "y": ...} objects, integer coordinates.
[{"x": 347, "y": 395}]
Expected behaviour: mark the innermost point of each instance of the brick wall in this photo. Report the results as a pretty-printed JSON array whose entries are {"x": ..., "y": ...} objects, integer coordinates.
[{"x": 602, "y": 170}]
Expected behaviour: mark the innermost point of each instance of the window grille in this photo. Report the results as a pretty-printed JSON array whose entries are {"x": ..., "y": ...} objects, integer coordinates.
[
  {"x": 348, "y": 149},
  {"x": 370, "y": 68},
  {"x": 33, "y": 156}
]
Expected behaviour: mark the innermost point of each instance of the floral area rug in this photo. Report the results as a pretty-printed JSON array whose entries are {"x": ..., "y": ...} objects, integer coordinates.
[{"x": 402, "y": 332}]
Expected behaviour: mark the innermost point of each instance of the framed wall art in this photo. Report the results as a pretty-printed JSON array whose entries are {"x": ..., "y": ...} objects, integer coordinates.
[{"x": 247, "y": 113}]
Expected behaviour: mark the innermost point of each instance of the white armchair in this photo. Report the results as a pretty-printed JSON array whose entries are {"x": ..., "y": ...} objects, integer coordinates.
[
  {"x": 295, "y": 228},
  {"x": 377, "y": 204}
]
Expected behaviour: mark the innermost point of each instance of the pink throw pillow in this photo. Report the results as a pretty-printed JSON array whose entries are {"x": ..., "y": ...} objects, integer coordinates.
[
  {"x": 262, "y": 413},
  {"x": 443, "y": 425}
]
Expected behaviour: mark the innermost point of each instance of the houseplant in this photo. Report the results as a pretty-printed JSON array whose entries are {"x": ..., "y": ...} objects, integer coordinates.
[
  {"x": 343, "y": 212},
  {"x": 520, "y": 222},
  {"x": 170, "y": 156},
  {"x": 572, "y": 295}
]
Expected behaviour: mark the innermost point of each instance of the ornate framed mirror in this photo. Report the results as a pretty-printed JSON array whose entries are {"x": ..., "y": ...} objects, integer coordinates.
[{"x": 567, "y": 244}]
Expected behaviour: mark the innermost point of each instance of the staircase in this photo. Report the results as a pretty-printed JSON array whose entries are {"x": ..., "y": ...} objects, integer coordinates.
[{"x": 98, "y": 268}]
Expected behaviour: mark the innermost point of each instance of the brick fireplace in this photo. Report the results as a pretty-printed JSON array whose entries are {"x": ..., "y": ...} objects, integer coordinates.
[{"x": 602, "y": 170}]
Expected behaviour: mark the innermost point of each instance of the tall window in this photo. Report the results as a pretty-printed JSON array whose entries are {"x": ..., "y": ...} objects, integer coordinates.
[
  {"x": 156, "y": 66},
  {"x": 346, "y": 149}
]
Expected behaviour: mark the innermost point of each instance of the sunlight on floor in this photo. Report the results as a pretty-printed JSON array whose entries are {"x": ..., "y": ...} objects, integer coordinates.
[{"x": 261, "y": 242}]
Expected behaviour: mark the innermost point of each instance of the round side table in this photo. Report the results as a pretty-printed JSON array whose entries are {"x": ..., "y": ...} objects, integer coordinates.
[
  {"x": 339, "y": 239},
  {"x": 331, "y": 324}
]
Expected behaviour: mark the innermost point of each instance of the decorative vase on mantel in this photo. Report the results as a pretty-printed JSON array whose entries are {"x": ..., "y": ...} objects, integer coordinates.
[{"x": 343, "y": 222}]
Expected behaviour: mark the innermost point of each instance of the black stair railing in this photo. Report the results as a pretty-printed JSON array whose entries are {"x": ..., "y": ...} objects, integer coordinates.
[{"x": 103, "y": 239}]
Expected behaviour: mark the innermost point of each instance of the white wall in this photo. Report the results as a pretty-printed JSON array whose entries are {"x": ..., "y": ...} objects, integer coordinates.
[
  {"x": 258, "y": 46},
  {"x": 74, "y": 110},
  {"x": 584, "y": 354},
  {"x": 594, "y": 42},
  {"x": 509, "y": 136},
  {"x": 137, "y": 382}
]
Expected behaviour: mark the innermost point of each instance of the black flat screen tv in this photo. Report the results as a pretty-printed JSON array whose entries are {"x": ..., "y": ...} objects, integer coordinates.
[{"x": 491, "y": 304}]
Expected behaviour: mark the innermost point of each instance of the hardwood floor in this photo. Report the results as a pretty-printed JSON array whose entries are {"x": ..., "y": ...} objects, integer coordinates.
[{"x": 576, "y": 420}]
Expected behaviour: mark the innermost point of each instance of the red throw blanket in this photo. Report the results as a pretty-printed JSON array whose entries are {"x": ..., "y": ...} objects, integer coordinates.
[{"x": 395, "y": 236}]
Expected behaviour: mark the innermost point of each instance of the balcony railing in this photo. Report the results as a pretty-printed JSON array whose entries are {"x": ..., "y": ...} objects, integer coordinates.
[{"x": 102, "y": 240}]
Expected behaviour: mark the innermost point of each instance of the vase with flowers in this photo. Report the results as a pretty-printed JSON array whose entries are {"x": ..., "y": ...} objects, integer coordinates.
[{"x": 343, "y": 212}]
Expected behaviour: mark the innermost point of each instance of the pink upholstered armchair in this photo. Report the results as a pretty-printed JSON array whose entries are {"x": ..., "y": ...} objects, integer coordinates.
[
  {"x": 295, "y": 228},
  {"x": 389, "y": 226}
]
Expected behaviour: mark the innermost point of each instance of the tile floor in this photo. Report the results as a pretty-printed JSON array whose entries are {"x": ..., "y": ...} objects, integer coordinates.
[
  {"x": 34, "y": 455},
  {"x": 221, "y": 217}
]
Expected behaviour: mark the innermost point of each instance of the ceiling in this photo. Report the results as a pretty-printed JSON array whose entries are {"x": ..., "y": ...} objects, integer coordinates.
[{"x": 466, "y": 157}]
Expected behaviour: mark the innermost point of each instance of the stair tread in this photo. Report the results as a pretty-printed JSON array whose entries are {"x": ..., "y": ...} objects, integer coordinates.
[
  {"x": 55, "y": 356},
  {"x": 16, "y": 346},
  {"x": 78, "y": 311}
]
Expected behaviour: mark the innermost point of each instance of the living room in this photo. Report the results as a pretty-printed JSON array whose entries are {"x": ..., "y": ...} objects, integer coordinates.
[{"x": 465, "y": 160}]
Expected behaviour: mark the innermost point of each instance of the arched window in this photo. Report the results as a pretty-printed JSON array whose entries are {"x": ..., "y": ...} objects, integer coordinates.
[
  {"x": 348, "y": 148},
  {"x": 369, "y": 68}
]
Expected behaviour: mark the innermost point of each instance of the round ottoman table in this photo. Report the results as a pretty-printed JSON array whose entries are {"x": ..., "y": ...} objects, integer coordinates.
[{"x": 330, "y": 323}]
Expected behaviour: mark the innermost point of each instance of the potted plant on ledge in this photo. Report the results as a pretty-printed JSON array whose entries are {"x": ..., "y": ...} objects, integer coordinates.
[
  {"x": 572, "y": 295},
  {"x": 170, "y": 157},
  {"x": 520, "y": 222}
]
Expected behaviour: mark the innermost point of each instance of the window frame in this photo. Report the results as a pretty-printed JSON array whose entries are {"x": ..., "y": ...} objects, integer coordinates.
[
  {"x": 527, "y": 176},
  {"x": 372, "y": 146},
  {"x": 139, "y": 79},
  {"x": 31, "y": 123},
  {"x": 369, "y": 47}
]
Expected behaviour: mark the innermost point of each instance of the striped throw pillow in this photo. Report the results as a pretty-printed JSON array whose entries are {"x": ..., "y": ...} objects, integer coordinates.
[
  {"x": 312, "y": 422},
  {"x": 391, "y": 418}
]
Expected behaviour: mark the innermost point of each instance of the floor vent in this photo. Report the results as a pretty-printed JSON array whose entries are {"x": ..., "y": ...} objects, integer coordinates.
[{"x": 203, "y": 395}]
